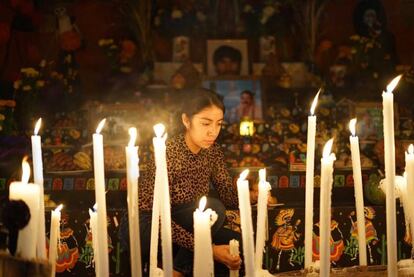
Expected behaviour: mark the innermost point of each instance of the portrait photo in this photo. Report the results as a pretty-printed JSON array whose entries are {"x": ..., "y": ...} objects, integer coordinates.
[
  {"x": 242, "y": 98},
  {"x": 227, "y": 58}
]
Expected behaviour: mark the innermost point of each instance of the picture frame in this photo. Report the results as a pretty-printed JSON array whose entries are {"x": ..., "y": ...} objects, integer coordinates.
[
  {"x": 237, "y": 93},
  {"x": 369, "y": 116},
  {"x": 235, "y": 50}
]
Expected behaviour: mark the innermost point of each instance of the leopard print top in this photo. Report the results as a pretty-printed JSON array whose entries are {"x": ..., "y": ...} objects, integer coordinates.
[{"x": 189, "y": 177}]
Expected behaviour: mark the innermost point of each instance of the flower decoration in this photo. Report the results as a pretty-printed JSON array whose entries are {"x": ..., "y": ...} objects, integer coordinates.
[
  {"x": 120, "y": 54},
  {"x": 262, "y": 18}
]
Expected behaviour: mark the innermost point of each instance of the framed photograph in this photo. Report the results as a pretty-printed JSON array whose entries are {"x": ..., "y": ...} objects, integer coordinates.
[
  {"x": 370, "y": 121},
  {"x": 227, "y": 58},
  {"x": 242, "y": 98},
  {"x": 181, "y": 49}
]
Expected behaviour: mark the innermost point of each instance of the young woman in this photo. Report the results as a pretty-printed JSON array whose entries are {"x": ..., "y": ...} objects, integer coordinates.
[{"x": 196, "y": 167}]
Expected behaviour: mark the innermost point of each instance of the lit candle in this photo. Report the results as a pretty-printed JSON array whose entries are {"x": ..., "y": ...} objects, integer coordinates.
[
  {"x": 30, "y": 194},
  {"x": 99, "y": 173},
  {"x": 54, "y": 237},
  {"x": 409, "y": 171},
  {"x": 246, "y": 222},
  {"x": 161, "y": 206},
  {"x": 93, "y": 225},
  {"x": 38, "y": 179},
  {"x": 234, "y": 251},
  {"x": 203, "y": 251},
  {"x": 132, "y": 198},
  {"x": 264, "y": 188},
  {"x": 389, "y": 156},
  {"x": 359, "y": 196},
  {"x": 310, "y": 164},
  {"x": 327, "y": 161}
]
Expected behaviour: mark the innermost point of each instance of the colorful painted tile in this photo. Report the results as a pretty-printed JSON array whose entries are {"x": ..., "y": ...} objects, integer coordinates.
[
  {"x": 113, "y": 184},
  {"x": 47, "y": 183},
  {"x": 80, "y": 184},
  {"x": 57, "y": 184},
  {"x": 339, "y": 180},
  {"x": 284, "y": 182},
  {"x": 123, "y": 184},
  {"x": 294, "y": 181},
  {"x": 68, "y": 183},
  {"x": 90, "y": 184}
]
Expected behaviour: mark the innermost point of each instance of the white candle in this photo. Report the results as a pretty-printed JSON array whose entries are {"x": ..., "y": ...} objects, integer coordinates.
[
  {"x": 234, "y": 251},
  {"x": 93, "y": 225},
  {"x": 389, "y": 156},
  {"x": 38, "y": 179},
  {"x": 203, "y": 251},
  {"x": 54, "y": 237},
  {"x": 246, "y": 222},
  {"x": 132, "y": 198},
  {"x": 264, "y": 188},
  {"x": 30, "y": 194},
  {"x": 359, "y": 195},
  {"x": 310, "y": 165},
  {"x": 409, "y": 171},
  {"x": 161, "y": 205},
  {"x": 99, "y": 173},
  {"x": 327, "y": 161}
]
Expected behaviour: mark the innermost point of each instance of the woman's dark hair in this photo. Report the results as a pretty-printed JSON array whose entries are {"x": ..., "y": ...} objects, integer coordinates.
[{"x": 199, "y": 99}]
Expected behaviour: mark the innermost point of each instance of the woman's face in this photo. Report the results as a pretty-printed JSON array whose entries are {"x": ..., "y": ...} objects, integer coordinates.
[{"x": 204, "y": 127}]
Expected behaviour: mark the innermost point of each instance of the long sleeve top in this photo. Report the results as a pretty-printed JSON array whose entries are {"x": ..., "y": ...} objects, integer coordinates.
[{"x": 189, "y": 177}]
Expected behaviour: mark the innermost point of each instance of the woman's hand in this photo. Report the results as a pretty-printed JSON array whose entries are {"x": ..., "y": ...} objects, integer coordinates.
[{"x": 221, "y": 254}]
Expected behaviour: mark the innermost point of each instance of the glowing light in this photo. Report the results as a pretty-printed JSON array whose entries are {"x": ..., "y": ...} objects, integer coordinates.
[
  {"x": 315, "y": 102},
  {"x": 262, "y": 174},
  {"x": 132, "y": 136},
  {"x": 100, "y": 126},
  {"x": 59, "y": 208},
  {"x": 244, "y": 174},
  {"x": 352, "y": 124},
  {"x": 159, "y": 129},
  {"x": 202, "y": 203},
  {"x": 391, "y": 86},
  {"x": 37, "y": 126},
  {"x": 26, "y": 170},
  {"x": 247, "y": 127},
  {"x": 95, "y": 207},
  {"x": 327, "y": 148},
  {"x": 411, "y": 149}
]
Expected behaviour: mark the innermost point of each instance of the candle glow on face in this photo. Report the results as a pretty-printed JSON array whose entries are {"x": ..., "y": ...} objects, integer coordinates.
[
  {"x": 327, "y": 148},
  {"x": 100, "y": 126},
  {"x": 352, "y": 124},
  {"x": 391, "y": 86},
  {"x": 133, "y": 136},
  {"x": 159, "y": 129},
  {"x": 244, "y": 174},
  {"x": 314, "y": 103},
  {"x": 202, "y": 203},
  {"x": 411, "y": 149},
  {"x": 37, "y": 126},
  {"x": 26, "y": 171}
]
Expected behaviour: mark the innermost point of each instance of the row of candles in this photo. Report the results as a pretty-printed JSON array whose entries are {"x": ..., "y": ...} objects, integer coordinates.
[{"x": 31, "y": 245}]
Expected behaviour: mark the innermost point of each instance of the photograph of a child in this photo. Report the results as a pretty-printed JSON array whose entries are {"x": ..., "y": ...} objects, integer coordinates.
[
  {"x": 227, "y": 58},
  {"x": 242, "y": 98}
]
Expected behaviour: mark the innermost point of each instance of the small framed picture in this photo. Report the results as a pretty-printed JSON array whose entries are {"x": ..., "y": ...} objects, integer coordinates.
[
  {"x": 181, "y": 49},
  {"x": 227, "y": 58},
  {"x": 242, "y": 98}
]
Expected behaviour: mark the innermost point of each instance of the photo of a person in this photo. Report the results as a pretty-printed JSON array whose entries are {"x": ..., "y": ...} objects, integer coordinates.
[
  {"x": 242, "y": 98},
  {"x": 227, "y": 58},
  {"x": 246, "y": 109}
]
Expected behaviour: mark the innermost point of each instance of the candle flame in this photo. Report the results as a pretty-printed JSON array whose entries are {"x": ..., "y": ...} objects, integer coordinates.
[
  {"x": 352, "y": 124},
  {"x": 95, "y": 207},
  {"x": 411, "y": 149},
  {"x": 26, "y": 170},
  {"x": 100, "y": 126},
  {"x": 159, "y": 129},
  {"x": 315, "y": 102},
  {"x": 244, "y": 174},
  {"x": 327, "y": 148},
  {"x": 262, "y": 174},
  {"x": 37, "y": 126},
  {"x": 132, "y": 136},
  {"x": 202, "y": 203},
  {"x": 391, "y": 86},
  {"x": 59, "y": 208}
]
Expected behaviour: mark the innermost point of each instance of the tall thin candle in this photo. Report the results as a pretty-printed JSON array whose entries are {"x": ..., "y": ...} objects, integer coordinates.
[
  {"x": 29, "y": 193},
  {"x": 409, "y": 171},
  {"x": 54, "y": 237},
  {"x": 327, "y": 161},
  {"x": 38, "y": 179},
  {"x": 389, "y": 156},
  {"x": 93, "y": 225},
  {"x": 359, "y": 195},
  {"x": 234, "y": 251},
  {"x": 132, "y": 198},
  {"x": 264, "y": 188},
  {"x": 246, "y": 222},
  {"x": 102, "y": 228},
  {"x": 310, "y": 165}
]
